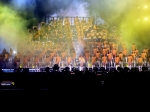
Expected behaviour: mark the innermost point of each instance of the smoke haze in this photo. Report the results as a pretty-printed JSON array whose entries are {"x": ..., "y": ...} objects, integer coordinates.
[
  {"x": 119, "y": 13},
  {"x": 12, "y": 28}
]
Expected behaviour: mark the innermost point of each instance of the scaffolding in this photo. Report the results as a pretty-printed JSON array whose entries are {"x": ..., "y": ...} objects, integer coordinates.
[{"x": 71, "y": 19}]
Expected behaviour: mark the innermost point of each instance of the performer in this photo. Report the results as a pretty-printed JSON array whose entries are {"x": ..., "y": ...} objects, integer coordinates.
[
  {"x": 114, "y": 52},
  {"x": 11, "y": 52},
  {"x": 25, "y": 61},
  {"x": 93, "y": 61},
  {"x": 48, "y": 60},
  {"x": 117, "y": 61},
  {"x": 149, "y": 60},
  {"x": 145, "y": 50},
  {"x": 58, "y": 60},
  {"x": 6, "y": 59},
  {"x": 137, "y": 52},
  {"x": 121, "y": 58},
  {"x": 125, "y": 52},
  {"x": 15, "y": 62},
  {"x": 144, "y": 56},
  {"x": 134, "y": 58},
  {"x": 104, "y": 61},
  {"x": 54, "y": 60},
  {"x": 104, "y": 51},
  {"x": 140, "y": 63},
  {"x": 82, "y": 62},
  {"x": 87, "y": 55},
  {"x": 110, "y": 58},
  {"x": 69, "y": 61},
  {"x": 133, "y": 47},
  {"x": 129, "y": 60},
  {"x": 95, "y": 50},
  {"x": 36, "y": 61},
  {"x": 52, "y": 54},
  {"x": 63, "y": 58},
  {"x": 98, "y": 58}
]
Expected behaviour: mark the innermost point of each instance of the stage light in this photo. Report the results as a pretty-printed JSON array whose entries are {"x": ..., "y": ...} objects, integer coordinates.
[
  {"x": 21, "y": 65},
  {"x": 145, "y": 7},
  {"x": 145, "y": 18},
  {"x": 138, "y": 19},
  {"x": 14, "y": 52},
  {"x": 13, "y": 83}
]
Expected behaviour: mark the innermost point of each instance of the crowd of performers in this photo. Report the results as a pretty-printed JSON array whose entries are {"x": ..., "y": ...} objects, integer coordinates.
[{"x": 83, "y": 44}]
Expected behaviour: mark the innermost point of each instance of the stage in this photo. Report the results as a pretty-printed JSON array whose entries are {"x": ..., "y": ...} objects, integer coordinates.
[{"x": 30, "y": 70}]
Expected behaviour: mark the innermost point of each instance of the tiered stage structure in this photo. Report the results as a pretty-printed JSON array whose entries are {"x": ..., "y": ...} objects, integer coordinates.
[{"x": 74, "y": 42}]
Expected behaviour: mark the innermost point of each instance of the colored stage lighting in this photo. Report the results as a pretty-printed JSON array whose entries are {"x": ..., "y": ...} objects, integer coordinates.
[
  {"x": 145, "y": 6},
  {"x": 146, "y": 19}
]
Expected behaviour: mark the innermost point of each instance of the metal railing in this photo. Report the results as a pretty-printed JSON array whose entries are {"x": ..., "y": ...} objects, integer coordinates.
[{"x": 71, "y": 19}]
